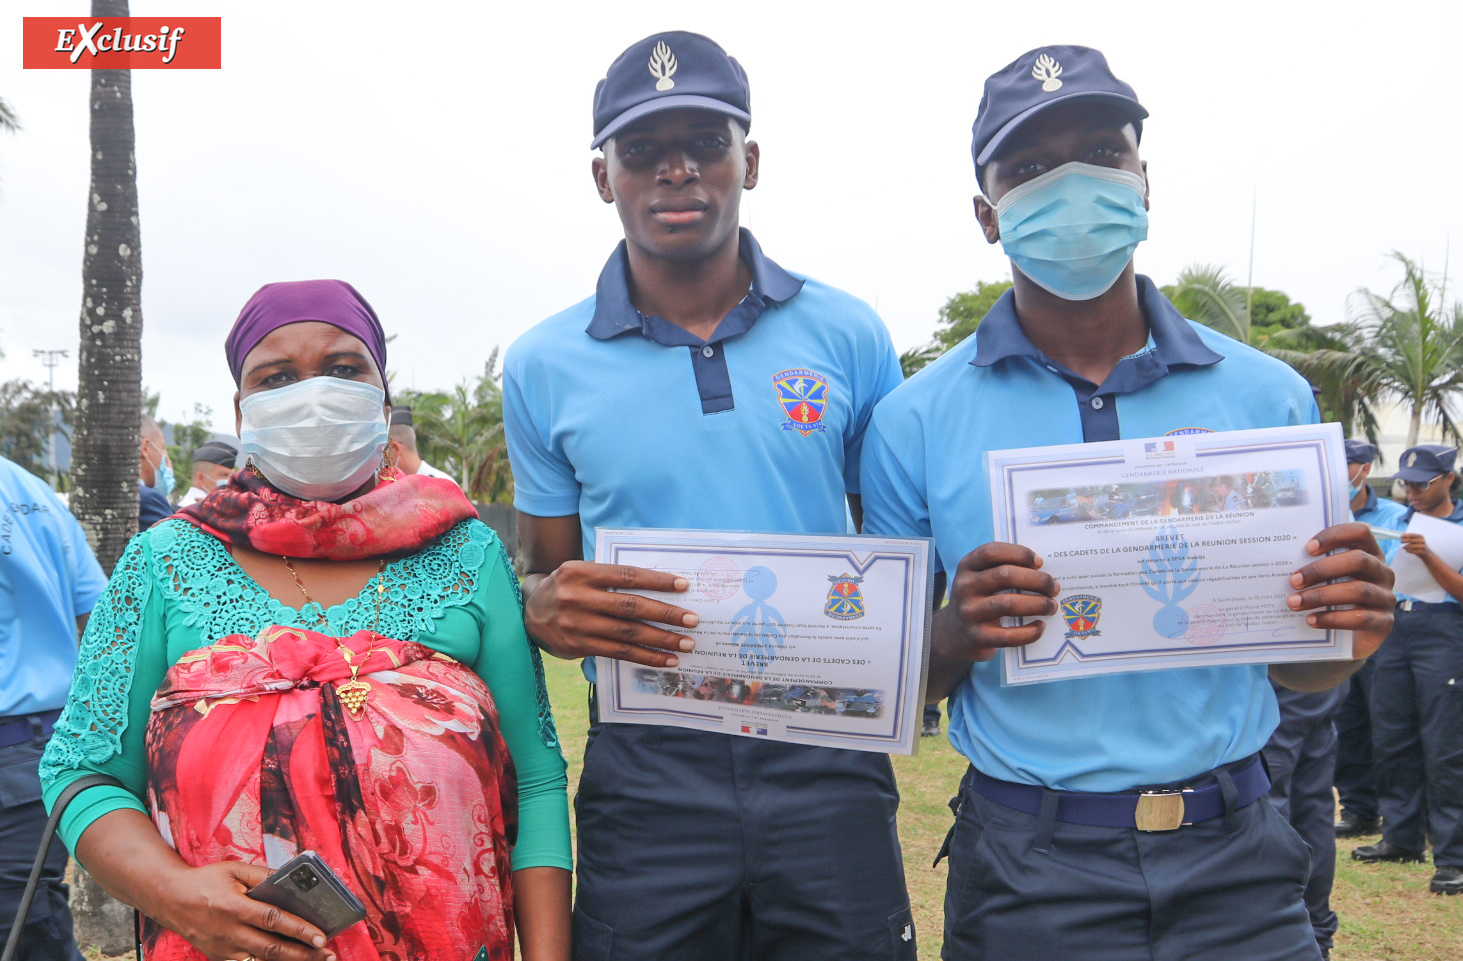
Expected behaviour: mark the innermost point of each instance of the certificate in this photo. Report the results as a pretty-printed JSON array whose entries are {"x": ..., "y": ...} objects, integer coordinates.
[
  {"x": 1173, "y": 551},
  {"x": 813, "y": 639}
]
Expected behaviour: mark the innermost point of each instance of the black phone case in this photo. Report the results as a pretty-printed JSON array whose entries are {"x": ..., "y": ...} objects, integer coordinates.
[{"x": 327, "y": 903}]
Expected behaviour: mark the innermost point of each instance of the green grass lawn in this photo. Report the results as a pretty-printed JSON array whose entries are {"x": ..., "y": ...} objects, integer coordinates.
[{"x": 1386, "y": 911}]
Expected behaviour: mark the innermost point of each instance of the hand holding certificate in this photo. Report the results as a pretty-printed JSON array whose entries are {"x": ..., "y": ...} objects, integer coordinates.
[
  {"x": 813, "y": 639},
  {"x": 1183, "y": 551}
]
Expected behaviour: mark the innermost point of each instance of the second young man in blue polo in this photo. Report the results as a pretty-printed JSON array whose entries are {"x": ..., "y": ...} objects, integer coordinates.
[
  {"x": 1052, "y": 854},
  {"x": 702, "y": 386}
]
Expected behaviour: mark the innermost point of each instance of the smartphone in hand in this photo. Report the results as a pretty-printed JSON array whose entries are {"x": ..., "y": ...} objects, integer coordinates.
[{"x": 308, "y": 889}]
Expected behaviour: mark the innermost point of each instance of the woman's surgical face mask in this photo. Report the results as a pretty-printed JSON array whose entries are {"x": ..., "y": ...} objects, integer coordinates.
[
  {"x": 316, "y": 439},
  {"x": 1072, "y": 230}
]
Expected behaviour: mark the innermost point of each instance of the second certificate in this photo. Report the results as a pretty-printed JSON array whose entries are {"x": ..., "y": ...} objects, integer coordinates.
[
  {"x": 1172, "y": 551},
  {"x": 813, "y": 639}
]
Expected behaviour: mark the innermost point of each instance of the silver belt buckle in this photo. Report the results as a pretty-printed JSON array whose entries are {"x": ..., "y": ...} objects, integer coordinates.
[
  {"x": 1160, "y": 810},
  {"x": 1405, "y": 604}
]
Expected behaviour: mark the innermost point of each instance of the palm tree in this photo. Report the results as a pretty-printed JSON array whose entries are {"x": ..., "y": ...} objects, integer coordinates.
[
  {"x": 1344, "y": 381},
  {"x": 1204, "y": 293},
  {"x": 109, "y": 393},
  {"x": 1344, "y": 378},
  {"x": 1407, "y": 347},
  {"x": 104, "y": 469},
  {"x": 462, "y": 432}
]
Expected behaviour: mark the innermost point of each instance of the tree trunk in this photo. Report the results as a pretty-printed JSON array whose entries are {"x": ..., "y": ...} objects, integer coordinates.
[
  {"x": 1415, "y": 426},
  {"x": 104, "y": 466}
]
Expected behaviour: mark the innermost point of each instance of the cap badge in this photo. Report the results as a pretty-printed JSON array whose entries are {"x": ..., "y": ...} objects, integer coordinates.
[
  {"x": 663, "y": 66},
  {"x": 1412, "y": 460},
  {"x": 1046, "y": 70}
]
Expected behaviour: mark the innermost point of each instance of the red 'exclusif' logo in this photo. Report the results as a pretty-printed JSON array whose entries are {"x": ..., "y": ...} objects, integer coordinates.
[{"x": 123, "y": 43}]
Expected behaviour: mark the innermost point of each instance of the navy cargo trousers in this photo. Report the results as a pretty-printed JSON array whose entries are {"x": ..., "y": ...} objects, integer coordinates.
[
  {"x": 1356, "y": 785},
  {"x": 700, "y": 846},
  {"x": 1301, "y": 759},
  {"x": 1022, "y": 888},
  {"x": 1417, "y": 731},
  {"x": 47, "y": 935}
]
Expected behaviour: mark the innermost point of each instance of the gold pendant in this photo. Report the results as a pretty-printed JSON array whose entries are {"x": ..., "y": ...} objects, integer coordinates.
[{"x": 353, "y": 695}]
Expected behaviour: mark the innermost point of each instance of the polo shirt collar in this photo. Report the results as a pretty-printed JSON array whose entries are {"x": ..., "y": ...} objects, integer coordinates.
[
  {"x": 614, "y": 314},
  {"x": 1175, "y": 342},
  {"x": 1371, "y": 501}
]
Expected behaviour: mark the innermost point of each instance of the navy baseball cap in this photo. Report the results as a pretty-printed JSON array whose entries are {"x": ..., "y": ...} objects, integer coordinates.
[
  {"x": 1425, "y": 461},
  {"x": 217, "y": 452},
  {"x": 1039, "y": 79},
  {"x": 1360, "y": 452},
  {"x": 665, "y": 72}
]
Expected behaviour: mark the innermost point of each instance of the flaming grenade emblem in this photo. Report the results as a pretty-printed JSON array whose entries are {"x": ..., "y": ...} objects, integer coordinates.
[
  {"x": 663, "y": 67},
  {"x": 1046, "y": 70},
  {"x": 1169, "y": 574}
]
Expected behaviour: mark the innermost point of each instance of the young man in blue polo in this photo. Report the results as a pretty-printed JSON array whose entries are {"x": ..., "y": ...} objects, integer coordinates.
[
  {"x": 1046, "y": 857},
  {"x": 1417, "y": 694},
  {"x": 49, "y": 583},
  {"x": 656, "y": 403},
  {"x": 1356, "y": 787}
]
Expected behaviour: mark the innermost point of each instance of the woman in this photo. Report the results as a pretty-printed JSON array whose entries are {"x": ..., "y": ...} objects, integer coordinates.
[{"x": 325, "y": 654}]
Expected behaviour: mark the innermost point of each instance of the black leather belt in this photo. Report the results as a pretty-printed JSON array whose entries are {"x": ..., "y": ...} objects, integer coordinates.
[{"x": 1157, "y": 810}]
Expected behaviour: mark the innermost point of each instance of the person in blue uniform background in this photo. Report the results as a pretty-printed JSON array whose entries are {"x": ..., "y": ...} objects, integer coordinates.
[
  {"x": 1417, "y": 695},
  {"x": 702, "y": 386},
  {"x": 156, "y": 473},
  {"x": 49, "y": 582},
  {"x": 1059, "y": 849},
  {"x": 1356, "y": 787}
]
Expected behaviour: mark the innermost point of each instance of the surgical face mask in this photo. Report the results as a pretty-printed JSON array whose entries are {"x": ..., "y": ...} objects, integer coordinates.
[
  {"x": 1073, "y": 229},
  {"x": 162, "y": 475},
  {"x": 1357, "y": 486},
  {"x": 317, "y": 439}
]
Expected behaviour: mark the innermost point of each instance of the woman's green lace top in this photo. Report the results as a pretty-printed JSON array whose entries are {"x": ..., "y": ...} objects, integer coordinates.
[
  {"x": 204, "y": 595},
  {"x": 196, "y": 571}
]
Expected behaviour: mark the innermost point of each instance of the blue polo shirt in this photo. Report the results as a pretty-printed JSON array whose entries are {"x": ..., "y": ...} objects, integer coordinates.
[
  {"x": 923, "y": 474},
  {"x": 48, "y": 577},
  {"x": 629, "y": 421},
  {"x": 1387, "y": 514},
  {"x": 1456, "y": 517}
]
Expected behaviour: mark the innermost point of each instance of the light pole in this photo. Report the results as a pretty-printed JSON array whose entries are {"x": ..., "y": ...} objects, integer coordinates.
[{"x": 51, "y": 359}]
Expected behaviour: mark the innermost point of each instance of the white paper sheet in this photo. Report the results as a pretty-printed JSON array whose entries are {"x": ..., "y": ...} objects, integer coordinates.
[
  {"x": 1161, "y": 562},
  {"x": 813, "y": 639},
  {"x": 1445, "y": 539}
]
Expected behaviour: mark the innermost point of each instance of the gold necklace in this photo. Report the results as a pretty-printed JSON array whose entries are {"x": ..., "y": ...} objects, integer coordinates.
[{"x": 352, "y": 693}]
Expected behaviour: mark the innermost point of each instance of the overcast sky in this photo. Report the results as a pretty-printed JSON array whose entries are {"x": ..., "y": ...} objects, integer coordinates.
[{"x": 436, "y": 156}]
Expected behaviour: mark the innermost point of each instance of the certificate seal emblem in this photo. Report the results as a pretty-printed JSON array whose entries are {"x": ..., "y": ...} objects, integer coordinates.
[
  {"x": 718, "y": 579},
  {"x": 1081, "y": 612},
  {"x": 845, "y": 600},
  {"x": 1207, "y": 624}
]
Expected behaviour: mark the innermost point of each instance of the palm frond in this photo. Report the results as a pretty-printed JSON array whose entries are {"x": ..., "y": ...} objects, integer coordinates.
[
  {"x": 1206, "y": 294},
  {"x": 9, "y": 120}
]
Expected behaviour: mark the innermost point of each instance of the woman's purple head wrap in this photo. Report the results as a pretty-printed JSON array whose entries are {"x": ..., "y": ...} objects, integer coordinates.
[{"x": 334, "y": 302}]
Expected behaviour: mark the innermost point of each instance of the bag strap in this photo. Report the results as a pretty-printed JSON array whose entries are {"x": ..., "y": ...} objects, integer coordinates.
[{"x": 62, "y": 801}]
